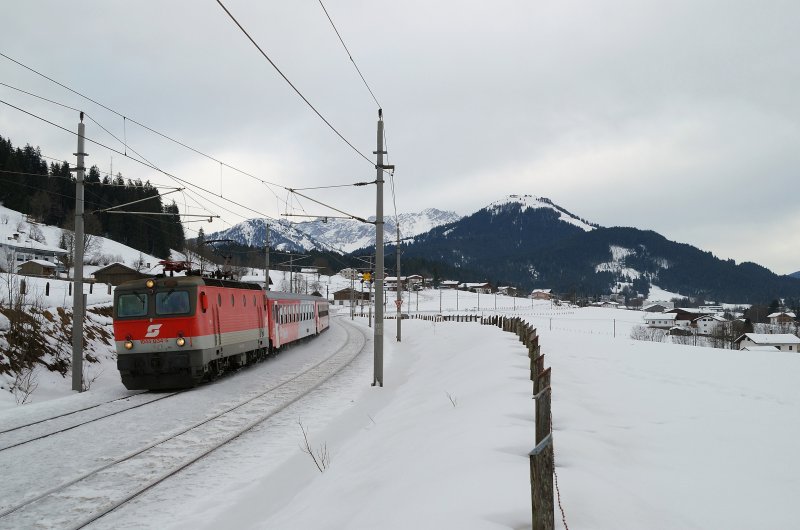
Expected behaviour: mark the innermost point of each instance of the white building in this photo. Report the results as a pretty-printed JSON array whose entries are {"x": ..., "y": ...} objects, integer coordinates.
[
  {"x": 782, "y": 317},
  {"x": 781, "y": 341},
  {"x": 17, "y": 249},
  {"x": 660, "y": 320},
  {"x": 478, "y": 287},
  {"x": 708, "y": 324}
]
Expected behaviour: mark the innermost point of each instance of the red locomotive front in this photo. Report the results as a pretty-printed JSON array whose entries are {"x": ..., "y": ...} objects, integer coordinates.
[{"x": 173, "y": 332}]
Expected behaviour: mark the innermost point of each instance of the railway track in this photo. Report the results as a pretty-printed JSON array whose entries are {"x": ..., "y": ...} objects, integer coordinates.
[
  {"x": 44, "y": 428},
  {"x": 81, "y": 500}
]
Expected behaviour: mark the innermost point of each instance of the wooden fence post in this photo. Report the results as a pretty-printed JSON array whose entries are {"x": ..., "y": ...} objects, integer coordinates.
[
  {"x": 543, "y": 409},
  {"x": 541, "y": 461}
]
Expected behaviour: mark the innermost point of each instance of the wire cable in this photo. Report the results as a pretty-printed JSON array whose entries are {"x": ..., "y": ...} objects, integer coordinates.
[
  {"x": 350, "y": 55},
  {"x": 318, "y": 113},
  {"x": 146, "y": 161},
  {"x": 126, "y": 119}
]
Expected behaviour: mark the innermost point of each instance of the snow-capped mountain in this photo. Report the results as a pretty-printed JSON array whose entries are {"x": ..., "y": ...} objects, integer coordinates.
[
  {"x": 529, "y": 202},
  {"x": 344, "y": 235},
  {"x": 529, "y": 242},
  {"x": 283, "y": 235}
]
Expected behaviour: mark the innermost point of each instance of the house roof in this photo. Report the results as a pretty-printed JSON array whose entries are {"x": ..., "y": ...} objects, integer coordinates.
[
  {"x": 545, "y": 291},
  {"x": 779, "y": 313},
  {"x": 660, "y": 316},
  {"x": 768, "y": 339},
  {"x": 43, "y": 263},
  {"x": 450, "y": 282},
  {"x": 110, "y": 266},
  {"x": 760, "y": 348},
  {"x": 712, "y": 317},
  {"x": 31, "y": 246}
]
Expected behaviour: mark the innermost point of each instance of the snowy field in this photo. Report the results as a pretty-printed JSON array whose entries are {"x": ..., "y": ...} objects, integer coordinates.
[{"x": 646, "y": 435}]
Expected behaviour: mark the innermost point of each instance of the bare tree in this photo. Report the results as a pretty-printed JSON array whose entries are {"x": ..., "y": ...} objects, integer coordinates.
[
  {"x": 648, "y": 333},
  {"x": 321, "y": 457},
  {"x": 139, "y": 263},
  {"x": 91, "y": 241},
  {"x": 36, "y": 234},
  {"x": 25, "y": 383}
]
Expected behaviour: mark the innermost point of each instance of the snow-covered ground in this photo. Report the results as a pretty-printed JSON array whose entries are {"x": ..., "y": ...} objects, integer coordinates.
[{"x": 647, "y": 435}]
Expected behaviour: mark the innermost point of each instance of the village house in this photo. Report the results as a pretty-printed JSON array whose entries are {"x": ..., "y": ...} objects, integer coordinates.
[
  {"x": 18, "y": 248},
  {"x": 507, "y": 290},
  {"x": 37, "y": 267},
  {"x": 708, "y": 324},
  {"x": 413, "y": 282},
  {"x": 783, "y": 317},
  {"x": 448, "y": 284},
  {"x": 344, "y": 295},
  {"x": 660, "y": 320},
  {"x": 781, "y": 341},
  {"x": 117, "y": 273},
  {"x": 684, "y": 316},
  {"x": 542, "y": 294},
  {"x": 476, "y": 287}
]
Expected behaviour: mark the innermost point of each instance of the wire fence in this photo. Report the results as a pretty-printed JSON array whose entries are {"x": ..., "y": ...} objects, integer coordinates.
[{"x": 544, "y": 480}]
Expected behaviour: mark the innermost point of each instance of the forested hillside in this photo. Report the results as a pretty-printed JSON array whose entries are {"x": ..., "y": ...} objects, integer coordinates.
[{"x": 46, "y": 192}]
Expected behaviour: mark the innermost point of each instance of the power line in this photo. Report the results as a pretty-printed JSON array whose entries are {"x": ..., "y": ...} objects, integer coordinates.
[
  {"x": 149, "y": 164},
  {"x": 40, "y": 97},
  {"x": 126, "y": 119},
  {"x": 345, "y": 140},
  {"x": 350, "y": 55},
  {"x": 146, "y": 161}
]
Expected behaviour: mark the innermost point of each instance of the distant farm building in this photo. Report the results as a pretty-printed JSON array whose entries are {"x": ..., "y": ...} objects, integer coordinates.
[
  {"x": 781, "y": 341},
  {"x": 37, "y": 267},
  {"x": 346, "y": 294},
  {"x": 783, "y": 317},
  {"x": 117, "y": 273},
  {"x": 660, "y": 320},
  {"x": 542, "y": 294}
]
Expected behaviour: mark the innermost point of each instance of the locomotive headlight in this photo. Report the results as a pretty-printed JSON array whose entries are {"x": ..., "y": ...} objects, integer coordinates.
[
  {"x": 128, "y": 345},
  {"x": 150, "y": 283},
  {"x": 180, "y": 341}
]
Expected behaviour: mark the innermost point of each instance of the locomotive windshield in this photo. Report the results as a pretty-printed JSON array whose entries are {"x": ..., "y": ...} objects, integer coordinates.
[
  {"x": 172, "y": 303},
  {"x": 132, "y": 305}
]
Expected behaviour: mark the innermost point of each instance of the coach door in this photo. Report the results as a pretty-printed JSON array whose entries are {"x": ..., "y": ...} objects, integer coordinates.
[{"x": 215, "y": 325}]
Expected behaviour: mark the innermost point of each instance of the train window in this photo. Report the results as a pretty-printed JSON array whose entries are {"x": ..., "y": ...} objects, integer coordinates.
[
  {"x": 172, "y": 303},
  {"x": 132, "y": 305},
  {"x": 203, "y": 301},
  {"x": 219, "y": 299}
]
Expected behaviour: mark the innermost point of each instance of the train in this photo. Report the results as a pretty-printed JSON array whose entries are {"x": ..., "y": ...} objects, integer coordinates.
[{"x": 175, "y": 332}]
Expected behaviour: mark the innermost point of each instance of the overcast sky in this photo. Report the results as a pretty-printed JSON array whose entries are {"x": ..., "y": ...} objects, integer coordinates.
[{"x": 681, "y": 117}]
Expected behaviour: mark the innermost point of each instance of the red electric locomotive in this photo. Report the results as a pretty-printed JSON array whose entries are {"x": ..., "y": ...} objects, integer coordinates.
[{"x": 175, "y": 332}]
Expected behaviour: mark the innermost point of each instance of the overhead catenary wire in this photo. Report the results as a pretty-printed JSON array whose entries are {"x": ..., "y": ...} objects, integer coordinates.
[
  {"x": 127, "y": 119},
  {"x": 305, "y": 99},
  {"x": 145, "y": 162},
  {"x": 350, "y": 55},
  {"x": 148, "y": 162}
]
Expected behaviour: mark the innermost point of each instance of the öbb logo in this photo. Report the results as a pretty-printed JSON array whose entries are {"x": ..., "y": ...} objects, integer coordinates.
[{"x": 152, "y": 330}]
